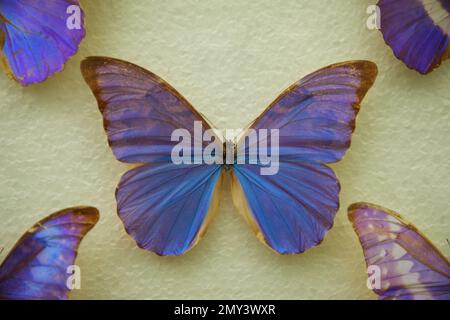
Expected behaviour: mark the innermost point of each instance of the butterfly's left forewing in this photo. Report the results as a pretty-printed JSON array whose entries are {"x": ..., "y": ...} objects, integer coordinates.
[
  {"x": 140, "y": 111},
  {"x": 37, "y": 266},
  {"x": 408, "y": 265},
  {"x": 293, "y": 209},
  {"x": 39, "y": 36}
]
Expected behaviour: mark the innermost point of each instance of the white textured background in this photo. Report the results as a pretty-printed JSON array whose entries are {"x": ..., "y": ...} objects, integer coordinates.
[{"x": 230, "y": 59}]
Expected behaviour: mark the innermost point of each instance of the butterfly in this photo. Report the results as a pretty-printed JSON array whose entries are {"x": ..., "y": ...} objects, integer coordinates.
[
  {"x": 410, "y": 267},
  {"x": 37, "y": 266},
  {"x": 166, "y": 207},
  {"x": 37, "y": 37},
  {"x": 417, "y": 31}
]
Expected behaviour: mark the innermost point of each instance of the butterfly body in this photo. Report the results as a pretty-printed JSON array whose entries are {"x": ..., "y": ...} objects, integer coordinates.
[
  {"x": 281, "y": 183},
  {"x": 227, "y": 164}
]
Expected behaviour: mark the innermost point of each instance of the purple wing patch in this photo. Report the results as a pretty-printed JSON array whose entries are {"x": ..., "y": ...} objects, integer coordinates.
[
  {"x": 417, "y": 31},
  {"x": 292, "y": 210},
  {"x": 410, "y": 267},
  {"x": 36, "y": 268},
  {"x": 37, "y": 37}
]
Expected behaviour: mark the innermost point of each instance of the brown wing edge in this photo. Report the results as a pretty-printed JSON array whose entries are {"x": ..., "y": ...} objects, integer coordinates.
[{"x": 90, "y": 64}]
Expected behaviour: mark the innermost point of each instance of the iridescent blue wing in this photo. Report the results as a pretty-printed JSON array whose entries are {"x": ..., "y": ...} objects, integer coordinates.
[
  {"x": 165, "y": 207},
  {"x": 292, "y": 210},
  {"x": 410, "y": 267},
  {"x": 36, "y": 268},
  {"x": 37, "y": 37},
  {"x": 417, "y": 31}
]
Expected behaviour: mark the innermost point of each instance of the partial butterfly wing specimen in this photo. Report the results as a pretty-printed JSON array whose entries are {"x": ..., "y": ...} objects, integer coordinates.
[
  {"x": 165, "y": 207},
  {"x": 411, "y": 267},
  {"x": 417, "y": 31},
  {"x": 37, "y": 37},
  {"x": 292, "y": 210},
  {"x": 36, "y": 268}
]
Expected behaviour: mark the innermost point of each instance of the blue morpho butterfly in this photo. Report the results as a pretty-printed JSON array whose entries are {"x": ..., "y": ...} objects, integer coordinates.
[
  {"x": 37, "y": 37},
  {"x": 417, "y": 31},
  {"x": 39, "y": 265},
  {"x": 166, "y": 207}
]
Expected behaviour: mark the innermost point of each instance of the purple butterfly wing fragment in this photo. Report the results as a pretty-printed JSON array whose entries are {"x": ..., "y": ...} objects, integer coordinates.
[
  {"x": 165, "y": 207},
  {"x": 39, "y": 36},
  {"x": 36, "y": 268},
  {"x": 410, "y": 266},
  {"x": 417, "y": 31}
]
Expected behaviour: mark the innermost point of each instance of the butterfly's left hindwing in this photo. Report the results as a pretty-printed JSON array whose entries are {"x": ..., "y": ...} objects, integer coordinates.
[
  {"x": 292, "y": 210},
  {"x": 37, "y": 266},
  {"x": 166, "y": 207},
  {"x": 39, "y": 37},
  {"x": 408, "y": 265}
]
